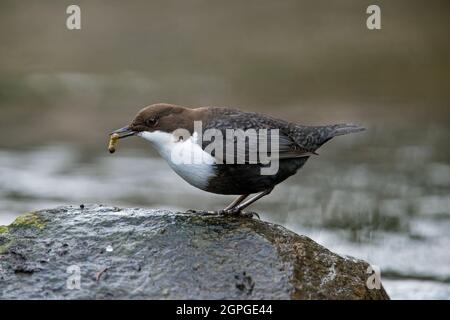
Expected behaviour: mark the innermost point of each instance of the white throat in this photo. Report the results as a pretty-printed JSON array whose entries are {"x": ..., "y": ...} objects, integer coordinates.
[{"x": 185, "y": 157}]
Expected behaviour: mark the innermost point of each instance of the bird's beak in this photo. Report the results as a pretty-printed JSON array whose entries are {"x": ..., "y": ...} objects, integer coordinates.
[{"x": 124, "y": 132}]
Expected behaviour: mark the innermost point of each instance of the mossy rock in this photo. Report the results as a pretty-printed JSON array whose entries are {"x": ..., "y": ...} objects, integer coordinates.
[
  {"x": 3, "y": 229},
  {"x": 158, "y": 254},
  {"x": 30, "y": 219}
]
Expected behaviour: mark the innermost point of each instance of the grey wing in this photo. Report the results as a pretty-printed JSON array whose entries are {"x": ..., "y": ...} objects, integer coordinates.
[{"x": 252, "y": 138}]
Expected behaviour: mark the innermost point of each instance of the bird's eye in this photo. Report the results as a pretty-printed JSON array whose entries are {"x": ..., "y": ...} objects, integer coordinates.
[{"x": 151, "y": 122}]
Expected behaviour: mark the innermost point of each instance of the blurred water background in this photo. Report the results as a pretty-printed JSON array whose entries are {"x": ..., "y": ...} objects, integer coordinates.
[{"x": 382, "y": 195}]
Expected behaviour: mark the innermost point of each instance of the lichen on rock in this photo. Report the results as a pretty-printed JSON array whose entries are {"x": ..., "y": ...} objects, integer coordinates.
[
  {"x": 30, "y": 219},
  {"x": 3, "y": 229}
]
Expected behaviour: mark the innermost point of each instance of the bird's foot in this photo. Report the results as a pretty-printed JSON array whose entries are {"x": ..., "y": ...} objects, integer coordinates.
[
  {"x": 226, "y": 213},
  {"x": 238, "y": 213}
]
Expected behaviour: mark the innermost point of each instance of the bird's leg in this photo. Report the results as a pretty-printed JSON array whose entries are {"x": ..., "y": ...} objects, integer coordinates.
[
  {"x": 248, "y": 202},
  {"x": 236, "y": 202},
  {"x": 237, "y": 209}
]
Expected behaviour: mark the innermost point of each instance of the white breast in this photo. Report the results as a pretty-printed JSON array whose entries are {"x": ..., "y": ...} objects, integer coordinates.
[{"x": 185, "y": 157}]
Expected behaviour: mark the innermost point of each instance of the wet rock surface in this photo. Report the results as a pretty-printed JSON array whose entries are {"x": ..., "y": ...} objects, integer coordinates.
[{"x": 98, "y": 252}]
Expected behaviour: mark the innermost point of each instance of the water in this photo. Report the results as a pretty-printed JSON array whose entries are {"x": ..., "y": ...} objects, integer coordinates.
[{"x": 368, "y": 196}]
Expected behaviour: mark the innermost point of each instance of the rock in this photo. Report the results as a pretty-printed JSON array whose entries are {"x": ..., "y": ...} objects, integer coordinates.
[{"x": 97, "y": 252}]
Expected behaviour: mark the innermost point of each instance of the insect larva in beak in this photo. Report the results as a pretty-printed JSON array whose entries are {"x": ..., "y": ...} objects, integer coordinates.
[{"x": 113, "y": 140}]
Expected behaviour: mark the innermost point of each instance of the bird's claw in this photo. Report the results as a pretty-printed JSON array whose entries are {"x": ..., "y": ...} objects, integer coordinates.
[
  {"x": 226, "y": 213},
  {"x": 238, "y": 213}
]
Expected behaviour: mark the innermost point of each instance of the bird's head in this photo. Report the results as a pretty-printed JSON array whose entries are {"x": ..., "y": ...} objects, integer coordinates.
[{"x": 158, "y": 118}]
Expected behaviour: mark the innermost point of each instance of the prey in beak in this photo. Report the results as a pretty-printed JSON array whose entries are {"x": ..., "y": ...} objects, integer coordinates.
[{"x": 118, "y": 134}]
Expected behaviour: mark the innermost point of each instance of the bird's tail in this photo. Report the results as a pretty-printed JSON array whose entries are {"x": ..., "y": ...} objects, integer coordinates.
[
  {"x": 344, "y": 128},
  {"x": 318, "y": 135}
]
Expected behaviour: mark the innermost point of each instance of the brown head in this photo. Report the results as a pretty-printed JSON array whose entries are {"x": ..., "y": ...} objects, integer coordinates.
[{"x": 160, "y": 117}]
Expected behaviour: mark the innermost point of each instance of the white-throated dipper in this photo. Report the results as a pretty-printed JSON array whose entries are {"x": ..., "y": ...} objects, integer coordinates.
[{"x": 287, "y": 143}]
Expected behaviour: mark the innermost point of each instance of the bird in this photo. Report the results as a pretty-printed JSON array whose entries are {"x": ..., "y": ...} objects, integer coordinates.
[{"x": 220, "y": 172}]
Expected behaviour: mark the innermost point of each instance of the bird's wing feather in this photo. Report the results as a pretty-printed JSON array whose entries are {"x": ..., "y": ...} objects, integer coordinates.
[{"x": 258, "y": 142}]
